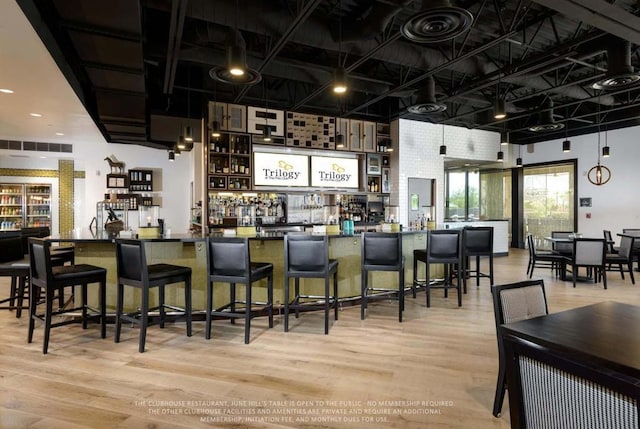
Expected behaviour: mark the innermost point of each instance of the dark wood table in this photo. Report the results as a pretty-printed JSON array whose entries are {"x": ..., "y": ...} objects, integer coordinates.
[{"x": 604, "y": 338}]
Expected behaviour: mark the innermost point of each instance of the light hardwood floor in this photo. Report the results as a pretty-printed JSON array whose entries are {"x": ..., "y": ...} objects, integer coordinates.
[{"x": 435, "y": 370}]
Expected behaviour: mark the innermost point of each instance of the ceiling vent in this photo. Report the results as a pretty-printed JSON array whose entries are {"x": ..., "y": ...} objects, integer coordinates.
[
  {"x": 620, "y": 72},
  {"x": 426, "y": 102},
  {"x": 546, "y": 122},
  {"x": 436, "y": 22}
]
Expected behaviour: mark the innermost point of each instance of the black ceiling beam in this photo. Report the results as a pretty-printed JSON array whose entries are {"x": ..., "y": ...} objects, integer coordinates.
[
  {"x": 176, "y": 25},
  {"x": 435, "y": 70},
  {"x": 112, "y": 33},
  {"x": 306, "y": 11},
  {"x": 112, "y": 67},
  {"x": 349, "y": 69}
]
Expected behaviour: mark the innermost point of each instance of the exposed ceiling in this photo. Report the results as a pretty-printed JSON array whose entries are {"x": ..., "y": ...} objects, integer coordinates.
[{"x": 132, "y": 61}]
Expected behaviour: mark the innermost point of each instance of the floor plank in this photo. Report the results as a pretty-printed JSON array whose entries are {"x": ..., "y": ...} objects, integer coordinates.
[{"x": 437, "y": 369}]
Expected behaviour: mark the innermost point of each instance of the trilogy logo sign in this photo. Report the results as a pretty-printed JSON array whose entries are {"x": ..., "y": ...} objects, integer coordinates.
[
  {"x": 336, "y": 174},
  {"x": 277, "y": 169},
  {"x": 283, "y": 172}
]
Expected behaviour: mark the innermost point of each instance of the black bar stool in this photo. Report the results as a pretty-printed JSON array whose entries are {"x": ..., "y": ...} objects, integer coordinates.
[
  {"x": 134, "y": 271},
  {"x": 444, "y": 246},
  {"x": 229, "y": 261},
  {"x": 381, "y": 251},
  {"x": 44, "y": 276},
  {"x": 14, "y": 266},
  {"x": 478, "y": 241},
  {"x": 308, "y": 256}
]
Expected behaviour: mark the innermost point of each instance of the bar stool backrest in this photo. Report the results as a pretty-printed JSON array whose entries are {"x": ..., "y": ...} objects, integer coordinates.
[
  {"x": 444, "y": 246},
  {"x": 381, "y": 248},
  {"x": 229, "y": 256},
  {"x": 131, "y": 260},
  {"x": 478, "y": 240},
  {"x": 306, "y": 253},
  {"x": 38, "y": 256}
]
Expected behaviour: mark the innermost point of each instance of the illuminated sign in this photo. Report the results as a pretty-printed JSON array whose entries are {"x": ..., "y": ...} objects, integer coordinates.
[
  {"x": 334, "y": 172},
  {"x": 275, "y": 169}
]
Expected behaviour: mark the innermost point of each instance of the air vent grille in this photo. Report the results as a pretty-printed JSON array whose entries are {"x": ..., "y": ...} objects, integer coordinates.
[{"x": 36, "y": 146}]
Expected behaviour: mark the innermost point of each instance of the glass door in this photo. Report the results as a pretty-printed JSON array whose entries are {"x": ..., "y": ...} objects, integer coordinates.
[{"x": 549, "y": 201}]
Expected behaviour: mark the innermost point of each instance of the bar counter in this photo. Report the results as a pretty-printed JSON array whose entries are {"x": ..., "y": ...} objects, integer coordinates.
[{"x": 189, "y": 250}]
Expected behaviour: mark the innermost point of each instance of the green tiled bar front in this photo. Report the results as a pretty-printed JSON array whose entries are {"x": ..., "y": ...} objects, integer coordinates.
[{"x": 193, "y": 254}]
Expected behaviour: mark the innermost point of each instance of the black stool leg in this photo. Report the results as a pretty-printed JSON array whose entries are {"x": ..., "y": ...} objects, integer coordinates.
[
  {"x": 247, "y": 314},
  {"x": 119, "y": 307},
  {"x": 364, "y": 278},
  {"x": 187, "y": 303},
  {"x": 326, "y": 305},
  {"x": 12, "y": 292},
  {"x": 207, "y": 328},
  {"x": 103, "y": 308},
  {"x": 335, "y": 293},
  {"x": 415, "y": 276},
  {"x": 232, "y": 308},
  {"x": 83, "y": 296},
  {"x": 270, "y": 299},
  {"x": 161, "y": 305},
  {"x": 47, "y": 319},
  {"x": 400, "y": 295},
  {"x": 33, "y": 299},
  {"x": 144, "y": 319},
  {"x": 500, "y": 390},
  {"x": 428, "y": 286},
  {"x": 22, "y": 281},
  {"x": 286, "y": 303},
  {"x": 296, "y": 298}
]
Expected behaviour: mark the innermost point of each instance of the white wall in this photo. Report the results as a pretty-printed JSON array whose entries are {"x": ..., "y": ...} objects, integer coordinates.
[
  {"x": 418, "y": 156},
  {"x": 615, "y": 204},
  {"x": 173, "y": 180}
]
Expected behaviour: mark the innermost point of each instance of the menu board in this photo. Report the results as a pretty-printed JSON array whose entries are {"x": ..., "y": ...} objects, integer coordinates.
[
  {"x": 279, "y": 169},
  {"x": 332, "y": 172}
]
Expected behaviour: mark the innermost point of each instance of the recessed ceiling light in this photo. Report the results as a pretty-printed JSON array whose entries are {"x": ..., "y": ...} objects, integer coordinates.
[
  {"x": 36, "y": 115},
  {"x": 59, "y": 134},
  {"x": 6, "y": 90}
]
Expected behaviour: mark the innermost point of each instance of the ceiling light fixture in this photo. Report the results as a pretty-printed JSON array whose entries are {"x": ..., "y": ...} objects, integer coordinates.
[
  {"x": 59, "y": 134},
  {"x": 36, "y": 115},
  {"x": 6, "y": 91},
  {"x": 519, "y": 159},
  {"x": 340, "y": 141},
  {"x": 436, "y": 22},
  {"x": 180, "y": 144},
  {"x": 172, "y": 156},
  {"x": 443, "y": 147},
  {"x": 504, "y": 138},
  {"x": 188, "y": 134},
  {"x": 266, "y": 131},
  {"x": 606, "y": 153},
  {"x": 500, "y": 156},
  {"x": 236, "y": 72},
  {"x": 566, "y": 146},
  {"x": 599, "y": 174},
  {"x": 176, "y": 150},
  {"x": 340, "y": 74},
  {"x": 215, "y": 132},
  {"x": 499, "y": 111}
]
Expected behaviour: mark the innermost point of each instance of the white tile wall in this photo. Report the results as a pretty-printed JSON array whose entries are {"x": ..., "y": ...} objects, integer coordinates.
[{"x": 417, "y": 155}]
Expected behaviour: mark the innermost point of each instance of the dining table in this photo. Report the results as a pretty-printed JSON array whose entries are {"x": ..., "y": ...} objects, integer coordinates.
[{"x": 575, "y": 368}]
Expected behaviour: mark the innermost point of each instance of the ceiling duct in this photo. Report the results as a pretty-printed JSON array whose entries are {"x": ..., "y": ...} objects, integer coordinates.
[
  {"x": 372, "y": 22},
  {"x": 436, "y": 22},
  {"x": 426, "y": 102},
  {"x": 546, "y": 122},
  {"x": 620, "y": 72}
]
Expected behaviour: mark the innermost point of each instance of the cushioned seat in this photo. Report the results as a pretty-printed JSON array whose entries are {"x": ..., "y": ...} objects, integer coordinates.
[
  {"x": 307, "y": 256},
  {"x": 14, "y": 266},
  {"x": 52, "y": 280},
  {"x": 134, "y": 271},
  {"x": 381, "y": 251},
  {"x": 445, "y": 247},
  {"x": 229, "y": 261},
  {"x": 624, "y": 256}
]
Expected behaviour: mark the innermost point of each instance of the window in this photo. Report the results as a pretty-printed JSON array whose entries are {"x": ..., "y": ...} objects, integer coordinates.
[
  {"x": 462, "y": 195},
  {"x": 548, "y": 200}
]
